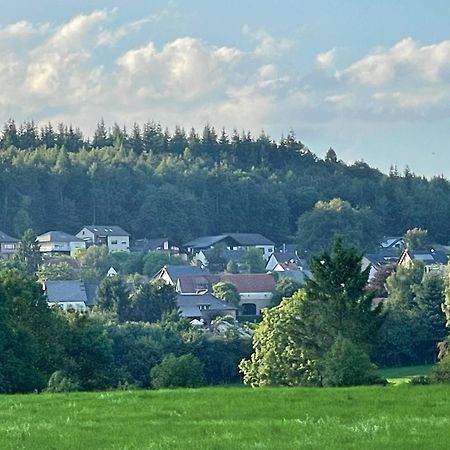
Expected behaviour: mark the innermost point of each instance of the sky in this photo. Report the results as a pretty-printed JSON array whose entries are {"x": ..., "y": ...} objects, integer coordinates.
[{"x": 369, "y": 79}]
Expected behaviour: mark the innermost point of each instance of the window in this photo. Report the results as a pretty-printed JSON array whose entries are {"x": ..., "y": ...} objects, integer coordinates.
[
  {"x": 203, "y": 307},
  {"x": 8, "y": 246},
  {"x": 114, "y": 242}
]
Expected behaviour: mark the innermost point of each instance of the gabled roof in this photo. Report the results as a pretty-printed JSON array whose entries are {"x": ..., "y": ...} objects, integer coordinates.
[
  {"x": 241, "y": 239},
  {"x": 383, "y": 256},
  {"x": 286, "y": 258},
  {"x": 175, "y": 272},
  {"x": 106, "y": 230},
  {"x": 58, "y": 236},
  {"x": 245, "y": 239},
  {"x": 249, "y": 282},
  {"x": 205, "y": 241},
  {"x": 6, "y": 238},
  {"x": 428, "y": 257},
  {"x": 189, "y": 305},
  {"x": 62, "y": 291}
]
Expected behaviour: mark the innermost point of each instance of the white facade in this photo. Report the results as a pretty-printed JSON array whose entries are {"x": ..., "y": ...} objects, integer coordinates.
[
  {"x": 102, "y": 236},
  {"x": 261, "y": 300},
  {"x": 77, "y": 306},
  {"x": 61, "y": 247}
]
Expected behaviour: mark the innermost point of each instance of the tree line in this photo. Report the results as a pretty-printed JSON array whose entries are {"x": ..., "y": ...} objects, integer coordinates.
[{"x": 186, "y": 184}]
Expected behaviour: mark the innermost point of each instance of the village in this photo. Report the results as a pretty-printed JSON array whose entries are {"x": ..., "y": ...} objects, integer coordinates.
[{"x": 203, "y": 263}]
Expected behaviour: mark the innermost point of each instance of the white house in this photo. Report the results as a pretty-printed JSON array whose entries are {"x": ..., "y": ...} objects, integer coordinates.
[
  {"x": 70, "y": 294},
  {"x": 59, "y": 243},
  {"x": 114, "y": 237},
  {"x": 232, "y": 241}
]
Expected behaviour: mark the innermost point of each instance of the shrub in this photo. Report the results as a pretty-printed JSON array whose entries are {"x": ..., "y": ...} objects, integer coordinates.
[
  {"x": 59, "y": 382},
  {"x": 420, "y": 380},
  {"x": 178, "y": 371},
  {"x": 441, "y": 371},
  {"x": 346, "y": 364}
]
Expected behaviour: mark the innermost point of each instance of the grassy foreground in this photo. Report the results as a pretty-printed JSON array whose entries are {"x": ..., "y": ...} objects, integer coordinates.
[{"x": 402, "y": 417}]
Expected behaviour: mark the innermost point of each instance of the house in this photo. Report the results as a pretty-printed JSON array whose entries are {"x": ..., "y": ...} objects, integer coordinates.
[
  {"x": 171, "y": 273},
  {"x": 59, "y": 243},
  {"x": 255, "y": 290},
  {"x": 204, "y": 307},
  {"x": 153, "y": 245},
  {"x": 287, "y": 264},
  {"x": 232, "y": 241},
  {"x": 70, "y": 294},
  {"x": 114, "y": 237},
  {"x": 8, "y": 245},
  {"x": 432, "y": 259},
  {"x": 392, "y": 242},
  {"x": 216, "y": 259},
  {"x": 379, "y": 258}
]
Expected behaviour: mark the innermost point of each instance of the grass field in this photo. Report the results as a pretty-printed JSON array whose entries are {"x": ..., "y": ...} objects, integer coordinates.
[
  {"x": 401, "y": 375},
  {"x": 402, "y": 417}
]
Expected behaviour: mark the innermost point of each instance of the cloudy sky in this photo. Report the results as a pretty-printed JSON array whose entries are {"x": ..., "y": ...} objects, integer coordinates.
[{"x": 371, "y": 79}]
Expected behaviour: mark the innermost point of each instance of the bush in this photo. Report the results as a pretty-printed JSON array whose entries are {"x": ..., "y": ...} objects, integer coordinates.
[
  {"x": 346, "y": 364},
  {"x": 178, "y": 371},
  {"x": 59, "y": 382},
  {"x": 420, "y": 380},
  {"x": 441, "y": 372}
]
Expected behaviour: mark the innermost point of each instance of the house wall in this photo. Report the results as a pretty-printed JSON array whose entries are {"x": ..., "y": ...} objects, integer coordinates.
[
  {"x": 7, "y": 249},
  {"x": 260, "y": 299},
  {"x": 118, "y": 243},
  {"x": 86, "y": 235},
  {"x": 77, "y": 306}
]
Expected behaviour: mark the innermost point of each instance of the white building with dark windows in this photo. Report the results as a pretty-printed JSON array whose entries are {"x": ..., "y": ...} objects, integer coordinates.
[{"x": 113, "y": 236}]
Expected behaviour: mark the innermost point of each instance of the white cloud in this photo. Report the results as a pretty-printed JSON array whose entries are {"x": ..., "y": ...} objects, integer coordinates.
[
  {"x": 326, "y": 60},
  {"x": 266, "y": 44}
]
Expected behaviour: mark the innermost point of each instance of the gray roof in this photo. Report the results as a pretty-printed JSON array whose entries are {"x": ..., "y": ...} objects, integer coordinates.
[
  {"x": 62, "y": 291},
  {"x": 383, "y": 256},
  {"x": 58, "y": 236},
  {"x": 251, "y": 239},
  {"x": 176, "y": 272},
  {"x": 242, "y": 239},
  {"x": 6, "y": 238},
  {"x": 150, "y": 244},
  {"x": 189, "y": 305},
  {"x": 429, "y": 256},
  {"x": 106, "y": 230}
]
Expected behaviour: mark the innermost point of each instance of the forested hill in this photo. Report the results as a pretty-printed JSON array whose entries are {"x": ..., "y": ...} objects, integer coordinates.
[{"x": 182, "y": 185}]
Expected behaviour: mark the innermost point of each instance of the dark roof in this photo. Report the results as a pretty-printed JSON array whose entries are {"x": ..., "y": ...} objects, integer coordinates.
[
  {"x": 287, "y": 257},
  {"x": 242, "y": 239},
  {"x": 106, "y": 230},
  {"x": 189, "y": 305},
  {"x": 176, "y": 272},
  {"x": 251, "y": 239},
  {"x": 66, "y": 291},
  {"x": 149, "y": 244},
  {"x": 58, "y": 236},
  {"x": 6, "y": 238},
  {"x": 383, "y": 256},
  {"x": 429, "y": 256},
  {"x": 205, "y": 241}
]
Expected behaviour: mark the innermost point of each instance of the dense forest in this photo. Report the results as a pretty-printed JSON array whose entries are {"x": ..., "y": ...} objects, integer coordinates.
[{"x": 184, "y": 184}]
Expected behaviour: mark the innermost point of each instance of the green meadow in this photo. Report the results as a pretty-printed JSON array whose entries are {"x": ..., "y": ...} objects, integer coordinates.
[{"x": 400, "y": 417}]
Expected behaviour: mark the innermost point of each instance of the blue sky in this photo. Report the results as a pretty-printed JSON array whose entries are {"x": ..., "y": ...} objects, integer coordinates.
[{"x": 371, "y": 79}]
